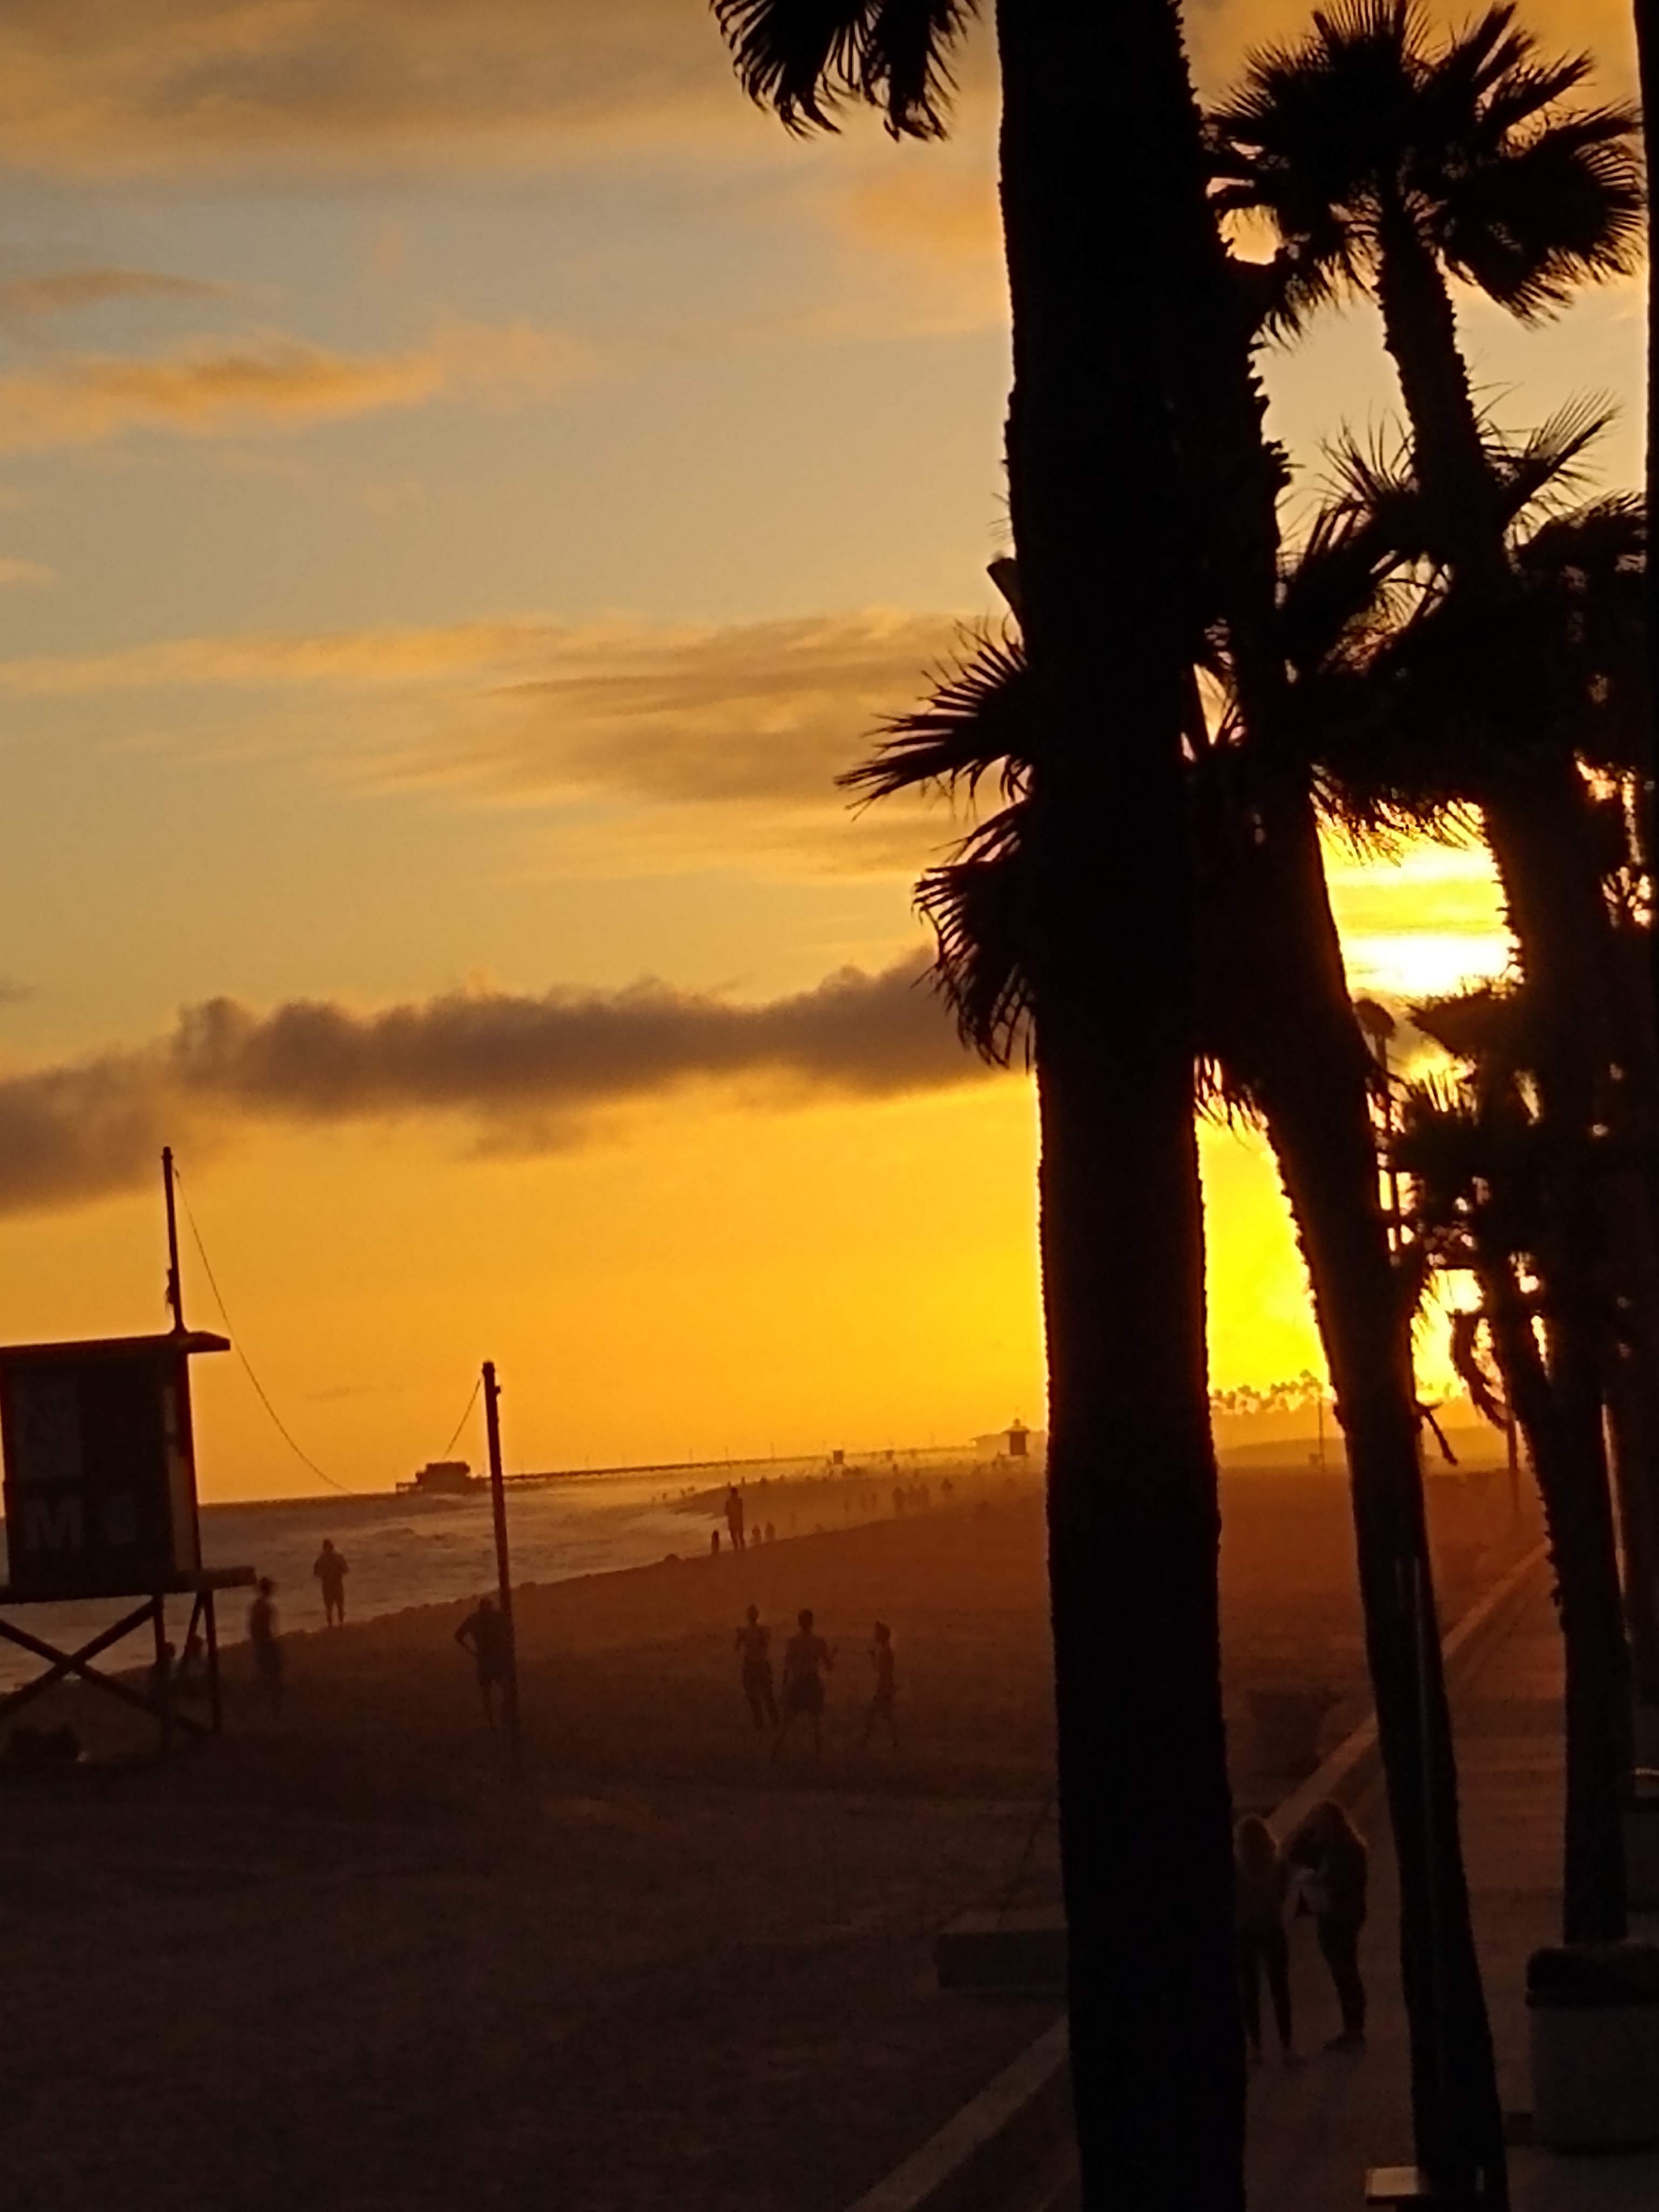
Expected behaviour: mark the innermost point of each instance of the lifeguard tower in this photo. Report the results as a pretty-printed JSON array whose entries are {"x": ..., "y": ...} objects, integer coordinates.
[{"x": 99, "y": 1466}]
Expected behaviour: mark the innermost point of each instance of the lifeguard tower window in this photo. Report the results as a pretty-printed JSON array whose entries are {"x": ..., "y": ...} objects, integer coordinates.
[{"x": 100, "y": 1465}]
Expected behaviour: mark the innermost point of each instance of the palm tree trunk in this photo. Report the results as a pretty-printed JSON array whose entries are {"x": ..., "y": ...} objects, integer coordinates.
[
  {"x": 1599, "y": 1228},
  {"x": 1420, "y": 332},
  {"x": 1579, "y": 1510},
  {"x": 1311, "y": 1075},
  {"x": 1101, "y": 180}
]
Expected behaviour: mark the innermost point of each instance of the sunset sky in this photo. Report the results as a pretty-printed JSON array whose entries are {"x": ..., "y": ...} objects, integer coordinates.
[{"x": 467, "y": 483}]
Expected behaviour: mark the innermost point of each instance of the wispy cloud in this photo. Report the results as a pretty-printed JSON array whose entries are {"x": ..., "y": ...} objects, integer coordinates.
[
  {"x": 745, "y": 725},
  {"x": 14, "y": 570},
  {"x": 101, "y": 85},
  {"x": 526, "y": 1072},
  {"x": 65, "y": 291},
  {"x": 271, "y": 382}
]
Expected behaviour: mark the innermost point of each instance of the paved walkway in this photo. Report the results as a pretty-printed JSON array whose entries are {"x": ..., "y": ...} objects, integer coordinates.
[{"x": 1315, "y": 2127}]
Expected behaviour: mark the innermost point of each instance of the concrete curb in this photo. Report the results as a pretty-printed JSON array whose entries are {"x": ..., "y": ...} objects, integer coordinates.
[{"x": 998, "y": 2133}]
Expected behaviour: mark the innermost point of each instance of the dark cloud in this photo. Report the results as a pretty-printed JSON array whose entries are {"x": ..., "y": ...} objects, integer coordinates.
[{"x": 525, "y": 1072}]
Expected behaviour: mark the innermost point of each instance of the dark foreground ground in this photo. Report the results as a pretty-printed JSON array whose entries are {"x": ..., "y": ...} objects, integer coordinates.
[{"x": 337, "y": 1962}]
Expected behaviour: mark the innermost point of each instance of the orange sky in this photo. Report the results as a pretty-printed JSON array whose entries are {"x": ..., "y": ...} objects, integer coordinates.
[{"x": 467, "y": 483}]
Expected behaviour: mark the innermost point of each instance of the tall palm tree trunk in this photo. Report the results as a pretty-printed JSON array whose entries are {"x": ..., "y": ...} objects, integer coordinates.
[
  {"x": 1311, "y": 1074},
  {"x": 1579, "y": 1516},
  {"x": 1531, "y": 827},
  {"x": 1599, "y": 1230},
  {"x": 1100, "y": 172}
]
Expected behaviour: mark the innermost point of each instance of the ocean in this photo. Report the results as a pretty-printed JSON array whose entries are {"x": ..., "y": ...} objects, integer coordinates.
[{"x": 401, "y": 1552}]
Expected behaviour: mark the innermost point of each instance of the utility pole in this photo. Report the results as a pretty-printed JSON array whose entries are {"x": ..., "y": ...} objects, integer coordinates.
[
  {"x": 503, "y": 1571},
  {"x": 175, "y": 1295}
]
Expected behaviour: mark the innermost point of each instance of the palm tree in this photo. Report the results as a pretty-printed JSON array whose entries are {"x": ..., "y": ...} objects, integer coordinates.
[
  {"x": 1278, "y": 1038},
  {"x": 1647, "y": 50},
  {"x": 1477, "y": 1158},
  {"x": 1388, "y": 162},
  {"x": 1114, "y": 265}
]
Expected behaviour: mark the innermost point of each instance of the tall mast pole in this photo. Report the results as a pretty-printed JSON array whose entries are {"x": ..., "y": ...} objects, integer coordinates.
[
  {"x": 175, "y": 1295},
  {"x": 503, "y": 1571}
]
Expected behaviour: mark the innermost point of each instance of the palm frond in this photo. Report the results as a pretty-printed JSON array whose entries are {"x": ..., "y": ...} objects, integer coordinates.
[
  {"x": 807, "y": 59},
  {"x": 977, "y": 719},
  {"x": 980, "y": 905}
]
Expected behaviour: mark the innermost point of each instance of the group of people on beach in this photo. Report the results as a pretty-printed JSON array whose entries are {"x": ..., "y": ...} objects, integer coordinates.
[
  {"x": 1320, "y": 1873},
  {"x": 807, "y": 1660}
]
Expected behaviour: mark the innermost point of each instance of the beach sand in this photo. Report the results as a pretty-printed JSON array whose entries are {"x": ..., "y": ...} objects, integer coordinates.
[{"x": 337, "y": 1960}]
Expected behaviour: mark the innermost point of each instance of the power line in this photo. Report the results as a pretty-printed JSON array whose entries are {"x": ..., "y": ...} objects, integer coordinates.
[{"x": 259, "y": 1387}]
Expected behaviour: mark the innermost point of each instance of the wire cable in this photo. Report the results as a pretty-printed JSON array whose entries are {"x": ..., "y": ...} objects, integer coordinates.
[
  {"x": 461, "y": 1424},
  {"x": 298, "y": 1450}
]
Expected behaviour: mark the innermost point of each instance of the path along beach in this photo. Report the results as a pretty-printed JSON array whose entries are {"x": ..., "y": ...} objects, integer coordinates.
[{"x": 336, "y": 1959}]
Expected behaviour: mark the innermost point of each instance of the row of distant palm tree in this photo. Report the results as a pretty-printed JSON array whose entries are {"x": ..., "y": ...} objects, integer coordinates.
[{"x": 1183, "y": 700}]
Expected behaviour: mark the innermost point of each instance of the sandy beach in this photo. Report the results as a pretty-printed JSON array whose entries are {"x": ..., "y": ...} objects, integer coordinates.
[{"x": 336, "y": 1959}]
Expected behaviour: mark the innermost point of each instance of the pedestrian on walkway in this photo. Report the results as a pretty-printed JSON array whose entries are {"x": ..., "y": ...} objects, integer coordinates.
[
  {"x": 1330, "y": 1853},
  {"x": 1262, "y": 1884}
]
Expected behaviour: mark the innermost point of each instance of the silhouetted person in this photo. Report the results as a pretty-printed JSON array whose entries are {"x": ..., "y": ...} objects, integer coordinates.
[
  {"x": 807, "y": 1660},
  {"x": 754, "y": 1644},
  {"x": 263, "y": 1634},
  {"x": 713, "y": 1543},
  {"x": 1261, "y": 1883},
  {"x": 898, "y": 1498},
  {"x": 886, "y": 1690},
  {"x": 1334, "y": 1864},
  {"x": 485, "y": 1634},
  {"x": 331, "y": 1571},
  {"x": 771, "y": 1532},
  {"x": 735, "y": 1517},
  {"x": 947, "y": 1490}
]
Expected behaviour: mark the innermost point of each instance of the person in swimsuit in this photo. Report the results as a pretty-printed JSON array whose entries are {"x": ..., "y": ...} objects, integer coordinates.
[
  {"x": 881, "y": 1705},
  {"x": 262, "y": 1635},
  {"x": 807, "y": 1660},
  {"x": 754, "y": 1644},
  {"x": 331, "y": 1572},
  {"x": 485, "y": 1635}
]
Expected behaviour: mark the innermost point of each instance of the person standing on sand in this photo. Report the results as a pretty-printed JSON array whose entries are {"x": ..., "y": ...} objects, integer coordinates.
[
  {"x": 1334, "y": 1864},
  {"x": 1261, "y": 1883},
  {"x": 807, "y": 1660},
  {"x": 754, "y": 1644},
  {"x": 485, "y": 1634},
  {"x": 263, "y": 1634},
  {"x": 881, "y": 1705},
  {"x": 331, "y": 1571},
  {"x": 735, "y": 1517}
]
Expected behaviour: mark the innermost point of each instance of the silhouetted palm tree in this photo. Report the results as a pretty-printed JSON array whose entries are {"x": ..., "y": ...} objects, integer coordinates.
[
  {"x": 1477, "y": 1160},
  {"x": 1386, "y": 158},
  {"x": 1278, "y": 1038},
  {"x": 1113, "y": 267}
]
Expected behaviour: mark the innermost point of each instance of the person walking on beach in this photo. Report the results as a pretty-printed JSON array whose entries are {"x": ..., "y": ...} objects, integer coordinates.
[
  {"x": 754, "y": 1644},
  {"x": 485, "y": 1634},
  {"x": 1331, "y": 1857},
  {"x": 1261, "y": 1883},
  {"x": 881, "y": 1704},
  {"x": 331, "y": 1571},
  {"x": 735, "y": 1517},
  {"x": 262, "y": 1635},
  {"x": 807, "y": 1660}
]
